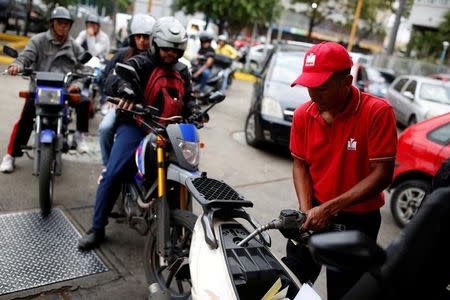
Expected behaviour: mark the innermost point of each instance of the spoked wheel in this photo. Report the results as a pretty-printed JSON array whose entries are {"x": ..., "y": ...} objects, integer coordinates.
[
  {"x": 46, "y": 178},
  {"x": 406, "y": 200},
  {"x": 173, "y": 274}
]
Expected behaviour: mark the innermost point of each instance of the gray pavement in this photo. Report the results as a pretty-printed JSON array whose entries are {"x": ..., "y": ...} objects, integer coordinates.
[{"x": 262, "y": 176}]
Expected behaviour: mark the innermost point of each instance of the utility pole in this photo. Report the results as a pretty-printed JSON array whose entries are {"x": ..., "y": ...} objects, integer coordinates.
[
  {"x": 354, "y": 25},
  {"x": 393, "y": 36}
]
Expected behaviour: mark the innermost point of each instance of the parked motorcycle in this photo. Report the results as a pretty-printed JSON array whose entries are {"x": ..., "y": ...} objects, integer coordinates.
[{"x": 51, "y": 131}]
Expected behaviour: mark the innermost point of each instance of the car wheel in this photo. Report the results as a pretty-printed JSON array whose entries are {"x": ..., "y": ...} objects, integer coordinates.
[
  {"x": 406, "y": 200},
  {"x": 412, "y": 120},
  {"x": 252, "y": 136}
]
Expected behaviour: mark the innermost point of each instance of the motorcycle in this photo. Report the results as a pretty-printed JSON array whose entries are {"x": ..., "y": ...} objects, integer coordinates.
[
  {"x": 51, "y": 131},
  {"x": 215, "y": 80},
  {"x": 92, "y": 74},
  {"x": 155, "y": 200}
]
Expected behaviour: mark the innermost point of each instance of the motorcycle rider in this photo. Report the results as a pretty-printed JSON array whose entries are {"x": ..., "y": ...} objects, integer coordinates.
[
  {"x": 93, "y": 39},
  {"x": 206, "y": 54},
  {"x": 168, "y": 44},
  {"x": 141, "y": 29},
  {"x": 227, "y": 50},
  {"x": 50, "y": 51}
]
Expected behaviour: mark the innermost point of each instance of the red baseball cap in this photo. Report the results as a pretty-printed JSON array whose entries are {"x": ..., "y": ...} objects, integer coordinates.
[{"x": 320, "y": 62}]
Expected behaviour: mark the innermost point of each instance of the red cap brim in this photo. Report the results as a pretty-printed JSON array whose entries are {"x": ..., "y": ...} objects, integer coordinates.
[{"x": 312, "y": 80}]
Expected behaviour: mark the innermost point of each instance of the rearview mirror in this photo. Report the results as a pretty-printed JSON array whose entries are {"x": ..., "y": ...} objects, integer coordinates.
[
  {"x": 408, "y": 95},
  {"x": 10, "y": 51},
  {"x": 84, "y": 57},
  {"x": 346, "y": 251},
  {"x": 216, "y": 97},
  {"x": 126, "y": 72}
]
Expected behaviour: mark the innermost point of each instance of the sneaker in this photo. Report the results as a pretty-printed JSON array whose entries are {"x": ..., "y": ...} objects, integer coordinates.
[
  {"x": 7, "y": 165},
  {"x": 100, "y": 177},
  {"x": 80, "y": 142}
]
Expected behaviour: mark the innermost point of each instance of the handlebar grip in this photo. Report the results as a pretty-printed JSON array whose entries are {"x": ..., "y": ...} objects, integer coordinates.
[{"x": 113, "y": 100}]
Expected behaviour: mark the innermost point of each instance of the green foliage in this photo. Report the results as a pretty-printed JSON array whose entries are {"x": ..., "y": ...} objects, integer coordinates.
[
  {"x": 235, "y": 13},
  {"x": 427, "y": 44}
]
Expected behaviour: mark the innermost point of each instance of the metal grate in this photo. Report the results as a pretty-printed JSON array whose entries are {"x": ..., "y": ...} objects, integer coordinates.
[
  {"x": 36, "y": 251},
  {"x": 212, "y": 189}
]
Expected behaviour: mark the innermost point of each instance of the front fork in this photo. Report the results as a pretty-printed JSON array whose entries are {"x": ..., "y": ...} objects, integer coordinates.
[{"x": 162, "y": 205}]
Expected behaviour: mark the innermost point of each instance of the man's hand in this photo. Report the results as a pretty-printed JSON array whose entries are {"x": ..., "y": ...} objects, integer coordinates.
[
  {"x": 125, "y": 104},
  {"x": 316, "y": 219},
  {"x": 73, "y": 89},
  {"x": 13, "y": 69}
]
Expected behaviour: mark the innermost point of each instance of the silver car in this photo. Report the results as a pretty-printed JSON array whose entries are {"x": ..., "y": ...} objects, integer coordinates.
[{"x": 416, "y": 98}]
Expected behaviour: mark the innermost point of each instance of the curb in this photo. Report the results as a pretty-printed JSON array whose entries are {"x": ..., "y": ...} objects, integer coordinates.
[
  {"x": 244, "y": 76},
  {"x": 14, "y": 41}
]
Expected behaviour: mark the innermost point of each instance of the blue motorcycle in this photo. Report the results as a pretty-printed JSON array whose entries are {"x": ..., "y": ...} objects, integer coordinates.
[{"x": 51, "y": 125}]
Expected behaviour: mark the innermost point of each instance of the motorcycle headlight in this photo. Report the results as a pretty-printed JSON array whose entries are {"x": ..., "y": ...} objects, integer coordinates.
[
  {"x": 191, "y": 151},
  {"x": 271, "y": 107},
  {"x": 49, "y": 96}
]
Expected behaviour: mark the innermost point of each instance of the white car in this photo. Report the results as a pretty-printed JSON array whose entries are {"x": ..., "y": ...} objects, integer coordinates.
[
  {"x": 416, "y": 98},
  {"x": 258, "y": 54}
]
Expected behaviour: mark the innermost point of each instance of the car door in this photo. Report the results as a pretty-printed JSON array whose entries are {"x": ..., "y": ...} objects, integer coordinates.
[
  {"x": 441, "y": 136},
  {"x": 394, "y": 95},
  {"x": 407, "y": 106}
]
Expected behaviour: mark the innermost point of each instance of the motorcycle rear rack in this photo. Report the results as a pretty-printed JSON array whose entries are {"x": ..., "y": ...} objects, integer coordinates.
[{"x": 211, "y": 193}]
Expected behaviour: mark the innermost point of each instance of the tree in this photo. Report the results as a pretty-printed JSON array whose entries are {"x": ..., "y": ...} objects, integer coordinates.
[
  {"x": 317, "y": 11},
  {"x": 235, "y": 14}
]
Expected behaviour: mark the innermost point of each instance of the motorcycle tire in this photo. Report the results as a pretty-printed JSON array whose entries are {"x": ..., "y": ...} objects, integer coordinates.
[
  {"x": 407, "y": 198},
  {"x": 182, "y": 224},
  {"x": 46, "y": 178}
]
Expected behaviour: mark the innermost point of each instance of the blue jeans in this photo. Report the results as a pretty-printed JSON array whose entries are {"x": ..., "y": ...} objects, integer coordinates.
[
  {"x": 204, "y": 78},
  {"x": 106, "y": 132},
  {"x": 128, "y": 137},
  {"x": 226, "y": 74}
]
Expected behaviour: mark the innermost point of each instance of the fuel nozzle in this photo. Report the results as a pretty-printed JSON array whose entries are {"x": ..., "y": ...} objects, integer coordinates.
[{"x": 289, "y": 220}]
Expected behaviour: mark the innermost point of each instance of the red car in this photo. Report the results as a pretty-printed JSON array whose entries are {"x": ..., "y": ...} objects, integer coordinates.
[{"x": 421, "y": 150}]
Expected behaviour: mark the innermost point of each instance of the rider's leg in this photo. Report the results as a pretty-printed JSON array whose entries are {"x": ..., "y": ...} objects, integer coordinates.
[
  {"x": 127, "y": 139},
  {"x": 106, "y": 132}
]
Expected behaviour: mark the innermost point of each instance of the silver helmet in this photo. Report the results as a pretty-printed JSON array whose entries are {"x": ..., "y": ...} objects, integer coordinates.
[
  {"x": 61, "y": 12},
  {"x": 168, "y": 32},
  {"x": 91, "y": 18},
  {"x": 142, "y": 24}
]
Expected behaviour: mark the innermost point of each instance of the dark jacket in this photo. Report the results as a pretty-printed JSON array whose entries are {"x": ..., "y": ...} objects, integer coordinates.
[{"x": 144, "y": 64}]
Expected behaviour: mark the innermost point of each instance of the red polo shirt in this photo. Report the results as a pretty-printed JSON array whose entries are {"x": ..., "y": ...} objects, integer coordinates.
[{"x": 339, "y": 155}]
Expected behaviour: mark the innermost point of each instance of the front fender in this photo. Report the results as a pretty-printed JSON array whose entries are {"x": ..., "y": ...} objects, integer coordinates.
[{"x": 47, "y": 136}]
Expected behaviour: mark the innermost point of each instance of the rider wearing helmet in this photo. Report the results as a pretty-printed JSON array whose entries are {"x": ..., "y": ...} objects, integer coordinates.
[
  {"x": 93, "y": 39},
  {"x": 141, "y": 29},
  {"x": 50, "y": 51},
  {"x": 206, "y": 60},
  {"x": 168, "y": 43},
  {"x": 225, "y": 49}
]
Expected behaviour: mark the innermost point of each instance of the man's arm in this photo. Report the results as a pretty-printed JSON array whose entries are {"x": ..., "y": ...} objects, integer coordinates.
[
  {"x": 25, "y": 59},
  {"x": 379, "y": 179},
  {"x": 208, "y": 63},
  {"x": 302, "y": 184}
]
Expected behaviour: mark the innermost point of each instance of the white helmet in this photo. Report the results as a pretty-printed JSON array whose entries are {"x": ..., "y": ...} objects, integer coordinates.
[
  {"x": 168, "y": 32},
  {"x": 142, "y": 24}
]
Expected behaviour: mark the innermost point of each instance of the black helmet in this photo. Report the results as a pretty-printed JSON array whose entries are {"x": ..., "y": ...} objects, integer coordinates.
[
  {"x": 61, "y": 12},
  {"x": 168, "y": 32},
  {"x": 205, "y": 37},
  {"x": 93, "y": 19}
]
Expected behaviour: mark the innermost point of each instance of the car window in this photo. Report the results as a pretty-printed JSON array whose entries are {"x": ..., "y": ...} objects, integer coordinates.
[
  {"x": 440, "y": 135},
  {"x": 436, "y": 93},
  {"x": 411, "y": 87},
  {"x": 286, "y": 68},
  {"x": 400, "y": 83}
]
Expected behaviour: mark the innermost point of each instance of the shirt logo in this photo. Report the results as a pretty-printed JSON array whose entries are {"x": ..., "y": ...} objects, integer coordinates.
[
  {"x": 310, "y": 60},
  {"x": 351, "y": 144}
]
